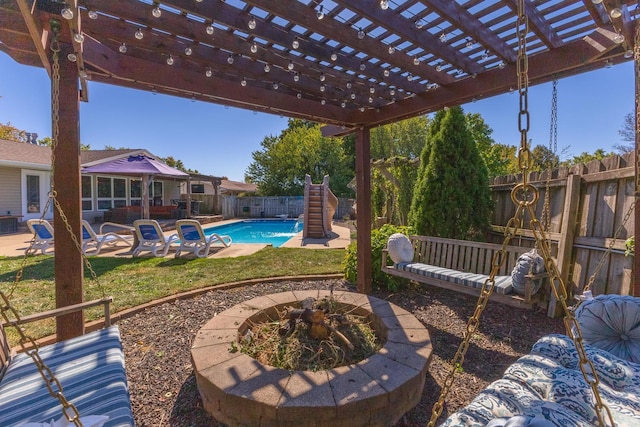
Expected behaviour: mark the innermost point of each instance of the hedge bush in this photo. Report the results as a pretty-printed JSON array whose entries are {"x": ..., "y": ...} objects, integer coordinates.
[{"x": 379, "y": 239}]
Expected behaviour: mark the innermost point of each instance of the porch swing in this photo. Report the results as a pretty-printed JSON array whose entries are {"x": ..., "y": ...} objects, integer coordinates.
[
  {"x": 52, "y": 384},
  {"x": 547, "y": 382}
]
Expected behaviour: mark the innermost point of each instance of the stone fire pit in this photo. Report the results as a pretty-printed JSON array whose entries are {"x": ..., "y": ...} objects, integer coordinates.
[{"x": 239, "y": 391}]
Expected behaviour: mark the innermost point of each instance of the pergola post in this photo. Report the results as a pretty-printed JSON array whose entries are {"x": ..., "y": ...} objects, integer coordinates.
[
  {"x": 635, "y": 285},
  {"x": 363, "y": 216},
  {"x": 67, "y": 184}
]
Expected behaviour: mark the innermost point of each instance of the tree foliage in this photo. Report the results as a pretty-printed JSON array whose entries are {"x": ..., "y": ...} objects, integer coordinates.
[
  {"x": 499, "y": 159},
  {"x": 279, "y": 168},
  {"x": 12, "y": 133},
  {"x": 628, "y": 134},
  {"x": 451, "y": 197}
]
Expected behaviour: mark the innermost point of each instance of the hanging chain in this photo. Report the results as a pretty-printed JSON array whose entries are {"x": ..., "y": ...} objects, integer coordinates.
[
  {"x": 525, "y": 196},
  {"x": 553, "y": 148}
]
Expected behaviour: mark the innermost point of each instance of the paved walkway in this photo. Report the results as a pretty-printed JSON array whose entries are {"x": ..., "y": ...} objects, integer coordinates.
[{"x": 15, "y": 244}]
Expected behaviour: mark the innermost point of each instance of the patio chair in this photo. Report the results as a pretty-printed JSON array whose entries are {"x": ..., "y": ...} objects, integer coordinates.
[
  {"x": 151, "y": 238},
  {"x": 193, "y": 239},
  {"x": 42, "y": 232},
  {"x": 92, "y": 243}
]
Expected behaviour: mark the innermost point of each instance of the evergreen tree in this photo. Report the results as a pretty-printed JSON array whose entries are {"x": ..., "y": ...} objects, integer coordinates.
[{"x": 451, "y": 197}]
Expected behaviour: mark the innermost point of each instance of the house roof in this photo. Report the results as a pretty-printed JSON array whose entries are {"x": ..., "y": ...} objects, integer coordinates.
[
  {"x": 238, "y": 187},
  {"x": 19, "y": 153}
]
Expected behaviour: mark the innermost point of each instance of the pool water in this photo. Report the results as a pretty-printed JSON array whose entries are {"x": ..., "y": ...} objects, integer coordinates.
[{"x": 267, "y": 231}]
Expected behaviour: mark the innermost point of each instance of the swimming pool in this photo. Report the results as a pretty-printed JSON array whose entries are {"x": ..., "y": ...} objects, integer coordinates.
[{"x": 268, "y": 231}]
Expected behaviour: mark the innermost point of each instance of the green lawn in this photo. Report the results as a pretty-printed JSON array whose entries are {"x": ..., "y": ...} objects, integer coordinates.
[{"x": 133, "y": 281}]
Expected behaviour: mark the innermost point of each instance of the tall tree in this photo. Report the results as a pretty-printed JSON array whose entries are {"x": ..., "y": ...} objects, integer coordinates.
[
  {"x": 279, "y": 168},
  {"x": 628, "y": 134},
  {"x": 451, "y": 197},
  {"x": 500, "y": 159}
]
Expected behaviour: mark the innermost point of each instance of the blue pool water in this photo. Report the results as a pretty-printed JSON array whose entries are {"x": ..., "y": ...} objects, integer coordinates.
[{"x": 268, "y": 231}]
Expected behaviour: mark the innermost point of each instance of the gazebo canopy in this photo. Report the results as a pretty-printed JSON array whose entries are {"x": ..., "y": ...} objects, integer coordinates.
[{"x": 348, "y": 63}]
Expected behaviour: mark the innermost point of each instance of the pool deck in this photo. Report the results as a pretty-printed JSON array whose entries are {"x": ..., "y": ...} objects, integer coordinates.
[{"x": 15, "y": 244}]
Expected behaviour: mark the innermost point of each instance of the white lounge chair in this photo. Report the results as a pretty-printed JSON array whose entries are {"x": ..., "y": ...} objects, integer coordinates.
[
  {"x": 193, "y": 239},
  {"x": 92, "y": 243},
  {"x": 151, "y": 238},
  {"x": 42, "y": 232}
]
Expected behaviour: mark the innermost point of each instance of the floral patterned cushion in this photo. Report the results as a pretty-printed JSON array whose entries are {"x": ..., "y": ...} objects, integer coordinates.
[{"x": 548, "y": 383}]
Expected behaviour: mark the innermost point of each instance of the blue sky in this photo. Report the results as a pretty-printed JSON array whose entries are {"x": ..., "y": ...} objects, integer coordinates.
[{"x": 219, "y": 141}]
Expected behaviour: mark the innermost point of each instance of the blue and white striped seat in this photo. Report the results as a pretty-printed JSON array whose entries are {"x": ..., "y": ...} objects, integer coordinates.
[
  {"x": 90, "y": 369},
  {"x": 503, "y": 284}
]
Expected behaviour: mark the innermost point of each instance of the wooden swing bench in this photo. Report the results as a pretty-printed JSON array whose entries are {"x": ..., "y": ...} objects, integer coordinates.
[
  {"x": 463, "y": 266},
  {"x": 90, "y": 369}
]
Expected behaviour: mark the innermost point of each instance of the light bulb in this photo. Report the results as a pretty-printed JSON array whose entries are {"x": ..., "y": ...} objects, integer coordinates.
[
  {"x": 208, "y": 73},
  {"x": 392, "y": 91},
  {"x": 628, "y": 54},
  {"x": 352, "y": 96},
  {"x": 469, "y": 44},
  {"x": 362, "y": 66},
  {"x": 416, "y": 60},
  {"x": 439, "y": 67},
  {"x": 252, "y": 24},
  {"x": 409, "y": 77},
  {"x": 67, "y": 13},
  {"x": 139, "y": 34},
  {"x": 618, "y": 38},
  {"x": 72, "y": 57},
  {"x": 361, "y": 34},
  {"x": 392, "y": 50},
  {"x": 78, "y": 37},
  {"x": 267, "y": 68},
  {"x": 384, "y": 4},
  {"x": 386, "y": 72},
  {"x": 370, "y": 99},
  {"x": 323, "y": 88},
  {"x": 170, "y": 60},
  {"x": 485, "y": 55},
  {"x": 83, "y": 74},
  {"x": 243, "y": 82},
  {"x": 501, "y": 65},
  {"x": 290, "y": 66},
  {"x": 322, "y": 77},
  {"x": 418, "y": 24},
  {"x": 349, "y": 85},
  {"x": 123, "y": 48},
  {"x": 608, "y": 64},
  {"x": 323, "y": 102},
  {"x": 320, "y": 13},
  {"x": 93, "y": 14},
  {"x": 299, "y": 95},
  {"x": 361, "y": 109},
  {"x": 372, "y": 89},
  {"x": 443, "y": 37},
  {"x": 343, "y": 104},
  {"x": 188, "y": 51},
  {"x": 596, "y": 1},
  {"x": 615, "y": 13},
  {"x": 254, "y": 47},
  {"x": 210, "y": 29},
  {"x": 296, "y": 77},
  {"x": 295, "y": 43},
  {"x": 230, "y": 59},
  {"x": 276, "y": 85},
  {"x": 334, "y": 56},
  {"x": 156, "y": 12}
]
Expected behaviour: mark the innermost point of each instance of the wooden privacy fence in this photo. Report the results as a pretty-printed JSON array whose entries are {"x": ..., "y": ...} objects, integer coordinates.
[{"x": 587, "y": 204}]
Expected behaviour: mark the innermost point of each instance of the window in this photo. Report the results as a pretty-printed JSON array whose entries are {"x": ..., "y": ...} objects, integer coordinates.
[
  {"x": 33, "y": 193},
  {"x": 197, "y": 188},
  {"x": 87, "y": 193},
  {"x": 112, "y": 192}
]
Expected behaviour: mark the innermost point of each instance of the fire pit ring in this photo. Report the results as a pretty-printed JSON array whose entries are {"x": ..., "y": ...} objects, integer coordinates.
[{"x": 240, "y": 391}]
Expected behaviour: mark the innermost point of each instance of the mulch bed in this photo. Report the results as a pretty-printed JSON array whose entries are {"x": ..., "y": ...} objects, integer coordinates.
[{"x": 163, "y": 389}]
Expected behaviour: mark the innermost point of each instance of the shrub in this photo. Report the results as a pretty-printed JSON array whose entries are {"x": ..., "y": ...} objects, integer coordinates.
[{"x": 379, "y": 239}]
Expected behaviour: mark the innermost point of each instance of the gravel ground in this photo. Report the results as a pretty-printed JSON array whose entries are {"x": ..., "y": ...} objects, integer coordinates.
[{"x": 163, "y": 390}]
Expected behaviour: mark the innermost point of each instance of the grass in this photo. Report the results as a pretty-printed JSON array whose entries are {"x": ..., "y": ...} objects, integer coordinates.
[{"x": 134, "y": 281}]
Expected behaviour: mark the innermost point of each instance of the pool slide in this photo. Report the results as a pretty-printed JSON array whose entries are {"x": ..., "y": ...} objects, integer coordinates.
[{"x": 319, "y": 207}]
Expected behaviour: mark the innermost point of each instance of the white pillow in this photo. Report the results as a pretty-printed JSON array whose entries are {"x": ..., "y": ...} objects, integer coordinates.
[{"x": 400, "y": 248}]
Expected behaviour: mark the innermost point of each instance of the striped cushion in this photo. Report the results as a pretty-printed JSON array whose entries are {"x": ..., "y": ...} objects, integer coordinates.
[
  {"x": 503, "y": 283},
  {"x": 90, "y": 369}
]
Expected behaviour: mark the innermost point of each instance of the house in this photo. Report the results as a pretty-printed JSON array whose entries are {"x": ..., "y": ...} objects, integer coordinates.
[{"x": 25, "y": 173}]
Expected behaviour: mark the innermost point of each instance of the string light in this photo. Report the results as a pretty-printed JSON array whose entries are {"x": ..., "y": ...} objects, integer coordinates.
[
  {"x": 323, "y": 88},
  {"x": 252, "y": 23},
  {"x": 93, "y": 14},
  {"x": 275, "y": 85},
  {"x": 123, "y": 48},
  {"x": 384, "y": 4},
  {"x": 243, "y": 82},
  {"x": 334, "y": 56},
  {"x": 320, "y": 13},
  {"x": 188, "y": 51},
  {"x": 156, "y": 12},
  {"x": 362, "y": 66},
  {"x": 361, "y": 34},
  {"x": 349, "y": 85},
  {"x": 416, "y": 60},
  {"x": 296, "y": 77},
  {"x": 139, "y": 34},
  {"x": 386, "y": 72},
  {"x": 618, "y": 38},
  {"x": 469, "y": 43},
  {"x": 72, "y": 57},
  {"x": 299, "y": 95},
  {"x": 254, "y": 47},
  {"x": 485, "y": 55},
  {"x": 208, "y": 73},
  {"x": 295, "y": 44},
  {"x": 615, "y": 13},
  {"x": 372, "y": 89},
  {"x": 267, "y": 68},
  {"x": 290, "y": 65},
  {"x": 230, "y": 59},
  {"x": 170, "y": 60},
  {"x": 78, "y": 37},
  {"x": 391, "y": 50},
  {"x": 323, "y": 101},
  {"x": 210, "y": 29},
  {"x": 322, "y": 77},
  {"x": 67, "y": 13},
  {"x": 443, "y": 37},
  {"x": 343, "y": 104},
  {"x": 352, "y": 96}
]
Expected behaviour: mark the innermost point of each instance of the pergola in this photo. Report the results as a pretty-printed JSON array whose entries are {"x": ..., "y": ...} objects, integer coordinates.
[{"x": 348, "y": 64}]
